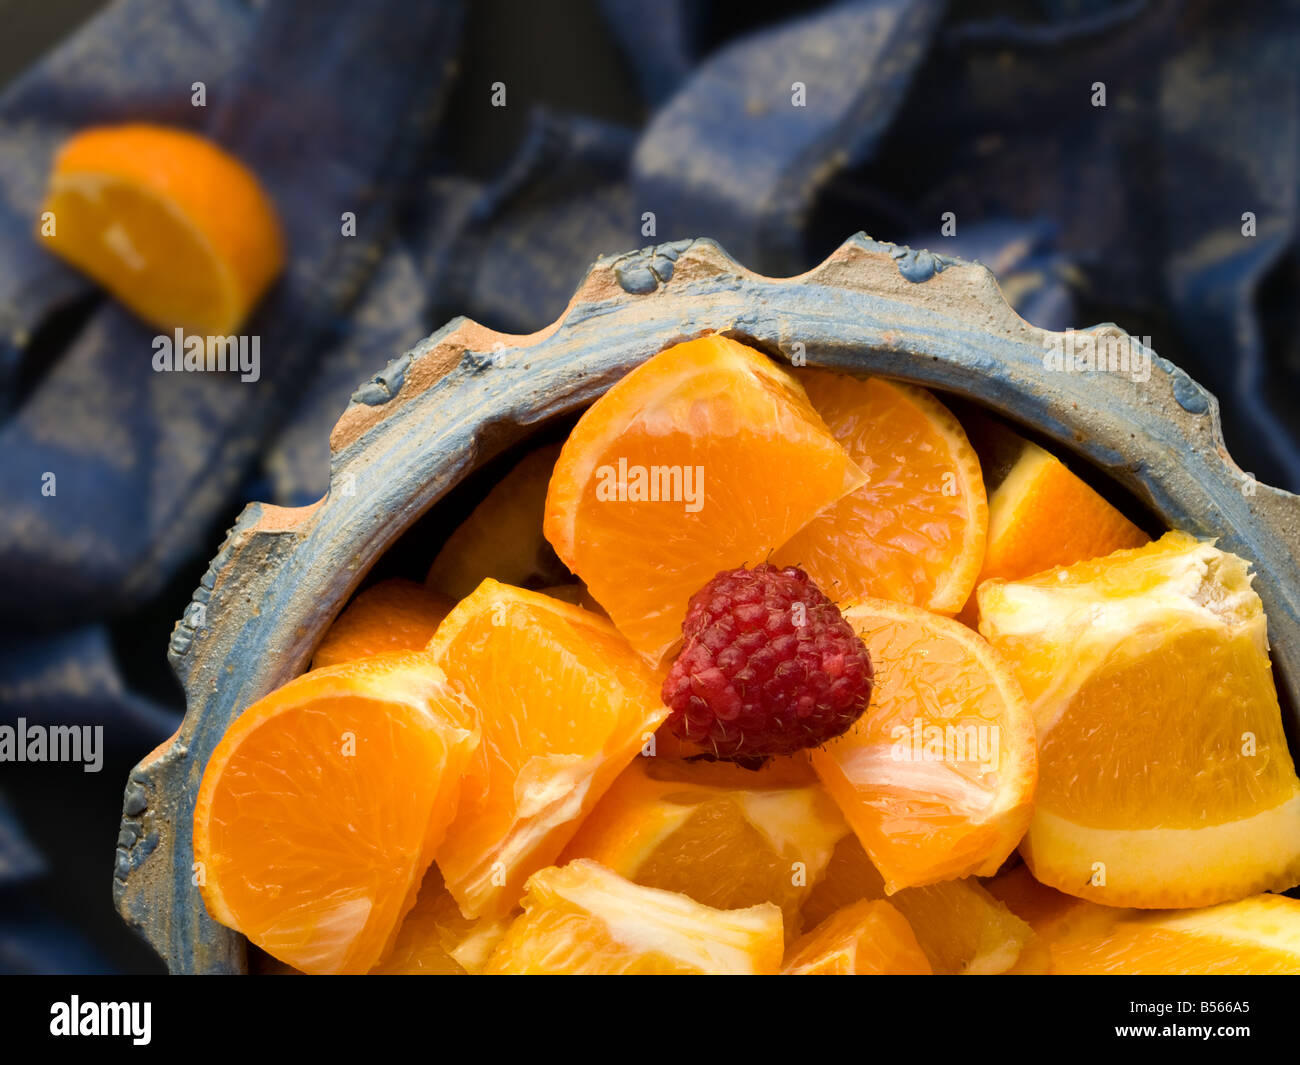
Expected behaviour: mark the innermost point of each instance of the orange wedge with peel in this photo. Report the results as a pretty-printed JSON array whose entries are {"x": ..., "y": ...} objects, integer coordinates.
[
  {"x": 1164, "y": 774},
  {"x": 173, "y": 226}
]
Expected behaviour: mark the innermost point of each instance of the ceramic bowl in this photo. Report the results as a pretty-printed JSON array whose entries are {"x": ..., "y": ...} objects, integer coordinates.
[{"x": 441, "y": 410}]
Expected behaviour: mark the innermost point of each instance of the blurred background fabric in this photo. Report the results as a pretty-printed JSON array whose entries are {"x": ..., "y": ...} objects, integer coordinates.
[{"x": 779, "y": 129}]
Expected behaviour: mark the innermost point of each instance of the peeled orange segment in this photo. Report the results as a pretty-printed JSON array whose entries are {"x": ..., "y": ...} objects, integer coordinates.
[
  {"x": 1052, "y": 914},
  {"x": 437, "y": 940},
  {"x": 705, "y": 458},
  {"x": 914, "y": 532},
  {"x": 323, "y": 805},
  {"x": 170, "y": 224},
  {"x": 419, "y": 949},
  {"x": 1255, "y": 935},
  {"x": 1164, "y": 774},
  {"x": 502, "y": 538},
  {"x": 583, "y": 919},
  {"x": 962, "y": 929},
  {"x": 564, "y": 705},
  {"x": 1035, "y": 903},
  {"x": 965, "y": 931},
  {"x": 937, "y": 776},
  {"x": 1042, "y": 516},
  {"x": 394, "y": 615},
  {"x": 863, "y": 939},
  {"x": 727, "y": 837}
]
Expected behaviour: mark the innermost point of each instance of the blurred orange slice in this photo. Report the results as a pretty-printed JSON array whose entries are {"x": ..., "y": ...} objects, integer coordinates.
[
  {"x": 1164, "y": 774},
  {"x": 937, "y": 776},
  {"x": 323, "y": 805},
  {"x": 583, "y": 919},
  {"x": 863, "y": 939},
  {"x": 393, "y": 615},
  {"x": 564, "y": 705},
  {"x": 173, "y": 226},
  {"x": 914, "y": 532},
  {"x": 704, "y": 458}
]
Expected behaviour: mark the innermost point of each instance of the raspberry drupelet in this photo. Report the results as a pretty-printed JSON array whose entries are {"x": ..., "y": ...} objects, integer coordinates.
[{"x": 768, "y": 666}]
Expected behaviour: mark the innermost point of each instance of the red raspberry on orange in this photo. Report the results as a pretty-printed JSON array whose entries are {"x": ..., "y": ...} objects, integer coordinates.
[{"x": 768, "y": 666}]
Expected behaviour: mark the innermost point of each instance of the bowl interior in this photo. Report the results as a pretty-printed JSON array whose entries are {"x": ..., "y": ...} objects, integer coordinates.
[
  {"x": 413, "y": 551},
  {"x": 428, "y": 436}
]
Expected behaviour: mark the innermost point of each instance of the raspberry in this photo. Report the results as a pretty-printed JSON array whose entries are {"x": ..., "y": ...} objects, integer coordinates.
[{"x": 759, "y": 676}]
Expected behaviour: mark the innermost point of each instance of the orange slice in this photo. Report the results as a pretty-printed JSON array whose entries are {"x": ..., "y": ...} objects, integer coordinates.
[
  {"x": 704, "y": 458},
  {"x": 961, "y": 927},
  {"x": 1042, "y": 515},
  {"x": 1164, "y": 774},
  {"x": 1255, "y": 935},
  {"x": 502, "y": 538},
  {"x": 564, "y": 705},
  {"x": 1258, "y": 934},
  {"x": 863, "y": 939},
  {"x": 170, "y": 224},
  {"x": 322, "y": 807},
  {"x": 727, "y": 837},
  {"x": 583, "y": 919},
  {"x": 394, "y": 615},
  {"x": 914, "y": 532},
  {"x": 937, "y": 776}
]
